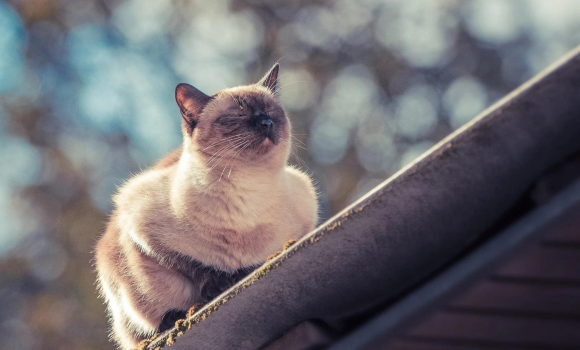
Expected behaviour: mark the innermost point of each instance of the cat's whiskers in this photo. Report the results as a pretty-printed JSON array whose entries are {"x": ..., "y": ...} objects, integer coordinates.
[
  {"x": 219, "y": 151},
  {"x": 302, "y": 145},
  {"x": 238, "y": 143},
  {"x": 294, "y": 153},
  {"x": 221, "y": 141},
  {"x": 222, "y": 152},
  {"x": 282, "y": 75},
  {"x": 241, "y": 149},
  {"x": 237, "y": 155},
  {"x": 225, "y": 139},
  {"x": 210, "y": 170},
  {"x": 213, "y": 167},
  {"x": 290, "y": 83},
  {"x": 274, "y": 83},
  {"x": 277, "y": 93}
]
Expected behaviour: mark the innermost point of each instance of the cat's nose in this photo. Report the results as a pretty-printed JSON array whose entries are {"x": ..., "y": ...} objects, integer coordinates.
[
  {"x": 263, "y": 121},
  {"x": 267, "y": 123}
]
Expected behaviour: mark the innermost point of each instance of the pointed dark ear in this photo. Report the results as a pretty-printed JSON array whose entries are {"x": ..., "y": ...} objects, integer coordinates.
[
  {"x": 270, "y": 80},
  {"x": 191, "y": 102}
]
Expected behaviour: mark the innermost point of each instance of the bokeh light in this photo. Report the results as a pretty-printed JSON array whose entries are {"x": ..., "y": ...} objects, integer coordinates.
[{"x": 86, "y": 100}]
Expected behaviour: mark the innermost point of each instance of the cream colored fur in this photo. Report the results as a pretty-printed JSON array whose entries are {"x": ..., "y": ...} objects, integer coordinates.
[{"x": 222, "y": 219}]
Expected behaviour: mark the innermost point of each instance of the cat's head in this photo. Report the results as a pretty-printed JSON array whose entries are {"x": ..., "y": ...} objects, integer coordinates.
[{"x": 244, "y": 123}]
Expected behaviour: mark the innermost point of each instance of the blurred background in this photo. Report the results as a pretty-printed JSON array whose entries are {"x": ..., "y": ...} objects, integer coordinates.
[{"x": 86, "y": 100}]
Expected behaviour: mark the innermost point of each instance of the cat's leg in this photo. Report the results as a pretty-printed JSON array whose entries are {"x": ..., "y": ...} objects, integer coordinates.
[
  {"x": 124, "y": 335},
  {"x": 150, "y": 292},
  {"x": 121, "y": 331},
  {"x": 138, "y": 290}
]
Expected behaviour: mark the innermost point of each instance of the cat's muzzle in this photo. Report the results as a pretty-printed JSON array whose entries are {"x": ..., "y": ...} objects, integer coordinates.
[{"x": 266, "y": 127}]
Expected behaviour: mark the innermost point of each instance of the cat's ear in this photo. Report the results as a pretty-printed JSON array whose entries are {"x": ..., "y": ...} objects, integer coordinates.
[
  {"x": 191, "y": 102},
  {"x": 270, "y": 80}
]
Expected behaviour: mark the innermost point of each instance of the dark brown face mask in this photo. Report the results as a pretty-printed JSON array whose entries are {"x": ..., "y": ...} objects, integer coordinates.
[{"x": 250, "y": 114}]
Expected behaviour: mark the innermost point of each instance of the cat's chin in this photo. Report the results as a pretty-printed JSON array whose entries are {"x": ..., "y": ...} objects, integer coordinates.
[
  {"x": 266, "y": 149},
  {"x": 266, "y": 146}
]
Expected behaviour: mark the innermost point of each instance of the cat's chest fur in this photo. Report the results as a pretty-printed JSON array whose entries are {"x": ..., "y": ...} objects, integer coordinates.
[{"x": 229, "y": 227}]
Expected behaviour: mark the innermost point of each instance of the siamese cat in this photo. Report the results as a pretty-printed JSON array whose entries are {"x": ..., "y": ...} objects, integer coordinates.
[{"x": 206, "y": 215}]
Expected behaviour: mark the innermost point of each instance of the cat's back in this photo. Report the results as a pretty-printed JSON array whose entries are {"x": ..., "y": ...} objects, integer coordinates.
[
  {"x": 303, "y": 198},
  {"x": 170, "y": 159},
  {"x": 151, "y": 185},
  {"x": 146, "y": 196},
  {"x": 142, "y": 199}
]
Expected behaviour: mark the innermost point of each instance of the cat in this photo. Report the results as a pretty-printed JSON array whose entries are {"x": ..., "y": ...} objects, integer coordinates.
[{"x": 207, "y": 214}]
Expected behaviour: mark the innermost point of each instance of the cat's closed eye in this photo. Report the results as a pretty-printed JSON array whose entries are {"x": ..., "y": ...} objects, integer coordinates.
[{"x": 227, "y": 119}]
